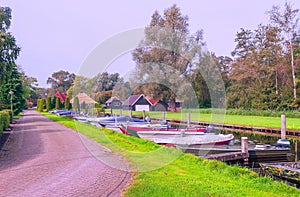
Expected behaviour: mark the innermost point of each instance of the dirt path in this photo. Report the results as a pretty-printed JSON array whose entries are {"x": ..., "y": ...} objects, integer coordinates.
[{"x": 44, "y": 158}]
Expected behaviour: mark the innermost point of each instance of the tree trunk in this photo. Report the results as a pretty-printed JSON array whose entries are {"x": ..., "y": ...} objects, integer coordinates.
[{"x": 293, "y": 70}]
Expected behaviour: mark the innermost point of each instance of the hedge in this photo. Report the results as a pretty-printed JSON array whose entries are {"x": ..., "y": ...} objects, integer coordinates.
[{"x": 5, "y": 119}]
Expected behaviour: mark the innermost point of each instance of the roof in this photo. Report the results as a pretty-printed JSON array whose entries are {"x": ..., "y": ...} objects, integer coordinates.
[
  {"x": 134, "y": 98},
  {"x": 83, "y": 97},
  {"x": 111, "y": 99},
  {"x": 61, "y": 96},
  {"x": 154, "y": 101}
]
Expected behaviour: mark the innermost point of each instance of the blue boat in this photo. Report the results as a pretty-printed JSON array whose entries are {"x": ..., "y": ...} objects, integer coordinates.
[{"x": 114, "y": 121}]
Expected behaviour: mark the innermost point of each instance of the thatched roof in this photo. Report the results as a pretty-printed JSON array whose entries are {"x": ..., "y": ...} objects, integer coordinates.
[{"x": 83, "y": 97}]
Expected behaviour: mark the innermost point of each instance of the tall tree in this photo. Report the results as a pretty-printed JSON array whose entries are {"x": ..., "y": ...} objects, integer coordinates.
[
  {"x": 167, "y": 50},
  {"x": 61, "y": 81},
  {"x": 10, "y": 77},
  {"x": 287, "y": 21}
]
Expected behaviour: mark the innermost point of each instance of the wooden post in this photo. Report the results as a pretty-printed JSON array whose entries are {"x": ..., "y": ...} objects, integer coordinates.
[
  {"x": 120, "y": 112},
  {"x": 111, "y": 111},
  {"x": 163, "y": 115},
  {"x": 188, "y": 119},
  {"x": 244, "y": 148},
  {"x": 131, "y": 113},
  {"x": 144, "y": 114},
  {"x": 283, "y": 127},
  {"x": 296, "y": 150}
]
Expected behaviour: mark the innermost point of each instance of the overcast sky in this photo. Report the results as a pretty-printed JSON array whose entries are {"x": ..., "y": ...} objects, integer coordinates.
[{"x": 59, "y": 34}]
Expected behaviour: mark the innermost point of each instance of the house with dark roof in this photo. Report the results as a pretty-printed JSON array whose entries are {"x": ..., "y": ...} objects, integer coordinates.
[
  {"x": 158, "y": 105},
  {"x": 137, "y": 103},
  {"x": 113, "y": 103}
]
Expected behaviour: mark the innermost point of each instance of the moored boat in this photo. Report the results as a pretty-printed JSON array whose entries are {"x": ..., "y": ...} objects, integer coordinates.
[
  {"x": 159, "y": 130},
  {"x": 190, "y": 140},
  {"x": 114, "y": 121}
]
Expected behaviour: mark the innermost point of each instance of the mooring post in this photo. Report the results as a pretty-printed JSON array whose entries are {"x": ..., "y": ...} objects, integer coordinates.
[
  {"x": 188, "y": 119},
  {"x": 131, "y": 113},
  {"x": 144, "y": 114},
  {"x": 283, "y": 127},
  {"x": 163, "y": 115},
  {"x": 296, "y": 150},
  {"x": 244, "y": 148}
]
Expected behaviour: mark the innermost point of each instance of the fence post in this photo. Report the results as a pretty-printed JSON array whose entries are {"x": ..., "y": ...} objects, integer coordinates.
[
  {"x": 283, "y": 127},
  {"x": 131, "y": 113},
  {"x": 144, "y": 114},
  {"x": 163, "y": 115},
  {"x": 188, "y": 119},
  {"x": 120, "y": 112}
]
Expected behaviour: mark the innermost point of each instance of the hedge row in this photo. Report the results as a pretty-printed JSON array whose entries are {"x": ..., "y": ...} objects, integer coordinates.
[{"x": 5, "y": 119}]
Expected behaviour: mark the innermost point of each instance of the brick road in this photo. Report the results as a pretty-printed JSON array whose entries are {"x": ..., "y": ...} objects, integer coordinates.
[{"x": 44, "y": 158}]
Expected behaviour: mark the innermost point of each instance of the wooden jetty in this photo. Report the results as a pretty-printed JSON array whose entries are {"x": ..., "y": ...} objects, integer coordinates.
[{"x": 244, "y": 155}]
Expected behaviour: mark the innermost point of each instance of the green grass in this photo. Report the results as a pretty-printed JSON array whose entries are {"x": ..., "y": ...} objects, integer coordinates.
[
  {"x": 181, "y": 174},
  {"x": 255, "y": 121}
]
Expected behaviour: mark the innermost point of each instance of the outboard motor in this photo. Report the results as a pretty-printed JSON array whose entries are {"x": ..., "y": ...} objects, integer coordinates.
[{"x": 283, "y": 143}]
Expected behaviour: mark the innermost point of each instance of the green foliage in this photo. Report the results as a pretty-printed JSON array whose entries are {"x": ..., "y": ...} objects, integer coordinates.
[
  {"x": 83, "y": 107},
  {"x": 76, "y": 105},
  {"x": 48, "y": 104},
  {"x": 53, "y": 102},
  {"x": 5, "y": 119},
  {"x": 187, "y": 175},
  {"x": 57, "y": 103},
  {"x": 41, "y": 105},
  {"x": 67, "y": 103}
]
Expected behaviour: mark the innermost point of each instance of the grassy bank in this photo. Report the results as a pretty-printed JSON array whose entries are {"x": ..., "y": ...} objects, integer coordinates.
[
  {"x": 256, "y": 121},
  {"x": 182, "y": 174}
]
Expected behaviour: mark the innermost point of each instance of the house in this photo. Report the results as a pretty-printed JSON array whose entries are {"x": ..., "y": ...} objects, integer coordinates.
[
  {"x": 137, "y": 103},
  {"x": 61, "y": 96},
  {"x": 113, "y": 103},
  {"x": 83, "y": 97},
  {"x": 158, "y": 105}
]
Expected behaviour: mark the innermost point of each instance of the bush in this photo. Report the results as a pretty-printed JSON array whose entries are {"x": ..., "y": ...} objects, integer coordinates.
[{"x": 5, "y": 118}]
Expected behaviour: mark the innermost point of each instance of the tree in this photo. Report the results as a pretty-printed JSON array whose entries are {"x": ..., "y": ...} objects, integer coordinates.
[
  {"x": 167, "y": 50},
  {"x": 57, "y": 103},
  {"x": 10, "y": 77},
  {"x": 67, "y": 103},
  {"x": 76, "y": 105},
  {"x": 61, "y": 81},
  {"x": 48, "y": 104},
  {"x": 287, "y": 22}
]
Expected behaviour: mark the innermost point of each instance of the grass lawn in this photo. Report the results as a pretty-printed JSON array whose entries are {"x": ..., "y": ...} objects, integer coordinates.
[
  {"x": 181, "y": 174},
  {"x": 256, "y": 121}
]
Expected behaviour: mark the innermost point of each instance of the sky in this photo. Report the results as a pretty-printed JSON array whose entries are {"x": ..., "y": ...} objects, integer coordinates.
[{"x": 60, "y": 34}]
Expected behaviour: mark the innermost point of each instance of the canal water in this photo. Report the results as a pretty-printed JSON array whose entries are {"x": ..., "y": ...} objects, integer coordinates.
[{"x": 261, "y": 139}]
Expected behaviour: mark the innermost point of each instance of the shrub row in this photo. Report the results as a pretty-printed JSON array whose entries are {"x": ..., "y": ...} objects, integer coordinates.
[{"x": 5, "y": 119}]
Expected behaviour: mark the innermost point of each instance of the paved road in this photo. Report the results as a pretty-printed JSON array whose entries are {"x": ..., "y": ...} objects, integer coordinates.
[{"x": 44, "y": 158}]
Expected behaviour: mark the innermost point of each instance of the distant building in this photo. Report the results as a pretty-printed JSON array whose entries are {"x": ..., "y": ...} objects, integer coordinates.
[
  {"x": 137, "y": 103},
  {"x": 83, "y": 97},
  {"x": 158, "y": 105},
  {"x": 113, "y": 103}
]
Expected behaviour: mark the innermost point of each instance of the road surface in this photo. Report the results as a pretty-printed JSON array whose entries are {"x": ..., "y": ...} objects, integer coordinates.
[{"x": 44, "y": 158}]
